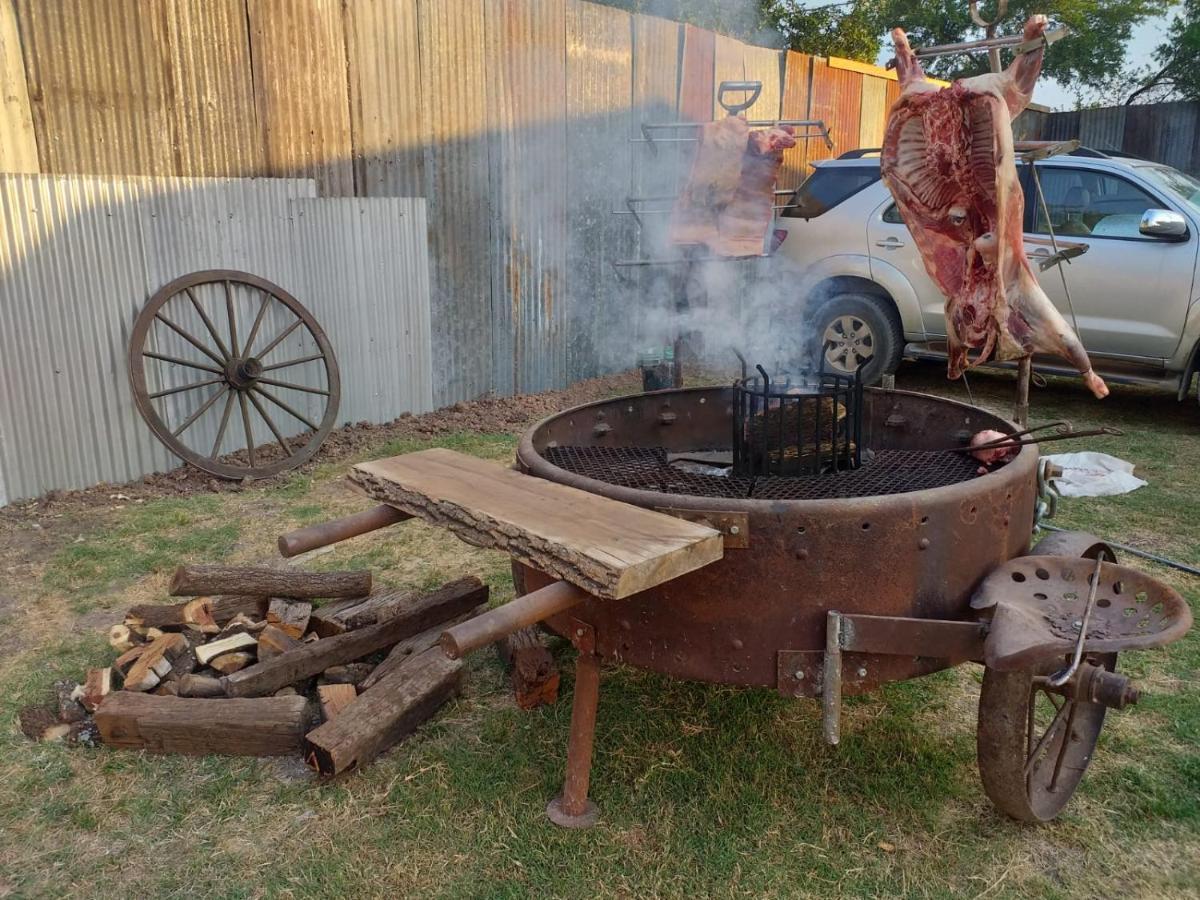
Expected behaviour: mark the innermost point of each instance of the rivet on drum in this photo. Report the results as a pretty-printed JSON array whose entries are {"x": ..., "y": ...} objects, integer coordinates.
[{"x": 923, "y": 543}]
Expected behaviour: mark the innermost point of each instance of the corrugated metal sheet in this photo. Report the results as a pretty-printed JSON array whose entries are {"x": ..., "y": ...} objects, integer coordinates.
[
  {"x": 837, "y": 99},
  {"x": 299, "y": 57},
  {"x": 97, "y": 77},
  {"x": 658, "y": 169},
  {"x": 454, "y": 114},
  {"x": 599, "y": 82},
  {"x": 384, "y": 68},
  {"x": 874, "y": 111},
  {"x": 1029, "y": 125},
  {"x": 1164, "y": 132},
  {"x": 215, "y": 126},
  {"x": 697, "y": 88},
  {"x": 795, "y": 105},
  {"x": 1103, "y": 129},
  {"x": 18, "y": 146},
  {"x": 737, "y": 61},
  {"x": 80, "y": 255},
  {"x": 525, "y": 52},
  {"x": 1062, "y": 126}
]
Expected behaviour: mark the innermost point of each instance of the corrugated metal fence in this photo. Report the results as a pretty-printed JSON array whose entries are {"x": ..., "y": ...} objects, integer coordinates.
[
  {"x": 512, "y": 117},
  {"x": 1164, "y": 132},
  {"x": 80, "y": 254}
]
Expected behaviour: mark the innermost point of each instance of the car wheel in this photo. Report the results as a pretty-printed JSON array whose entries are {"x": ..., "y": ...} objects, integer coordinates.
[{"x": 857, "y": 333}]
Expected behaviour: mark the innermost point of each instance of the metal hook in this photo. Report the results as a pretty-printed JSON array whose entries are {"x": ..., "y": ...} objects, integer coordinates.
[{"x": 989, "y": 29}]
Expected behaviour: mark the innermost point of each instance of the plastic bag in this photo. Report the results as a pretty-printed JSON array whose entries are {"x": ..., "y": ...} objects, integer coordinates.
[{"x": 1091, "y": 474}]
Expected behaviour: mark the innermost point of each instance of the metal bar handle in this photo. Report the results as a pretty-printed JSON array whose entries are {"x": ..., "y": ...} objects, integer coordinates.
[
  {"x": 753, "y": 88},
  {"x": 323, "y": 534}
]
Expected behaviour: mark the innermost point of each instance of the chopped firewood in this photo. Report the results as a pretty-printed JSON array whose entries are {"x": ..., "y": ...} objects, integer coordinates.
[
  {"x": 197, "y": 613},
  {"x": 418, "y": 614},
  {"x": 269, "y": 726},
  {"x": 275, "y": 640},
  {"x": 156, "y": 615},
  {"x": 242, "y": 624},
  {"x": 183, "y": 664},
  {"x": 531, "y": 666},
  {"x": 69, "y": 708},
  {"x": 167, "y": 689},
  {"x": 228, "y": 663},
  {"x": 290, "y": 616},
  {"x": 350, "y": 673},
  {"x": 95, "y": 688},
  {"x": 155, "y": 662},
  {"x": 207, "y": 652},
  {"x": 346, "y": 615},
  {"x": 126, "y": 660},
  {"x": 190, "y": 581},
  {"x": 418, "y": 643},
  {"x": 310, "y": 637},
  {"x": 225, "y": 608},
  {"x": 288, "y": 691},
  {"x": 334, "y": 698},
  {"x": 200, "y": 686},
  {"x": 152, "y": 634},
  {"x": 122, "y": 638},
  {"x": 385, "y": 714}
]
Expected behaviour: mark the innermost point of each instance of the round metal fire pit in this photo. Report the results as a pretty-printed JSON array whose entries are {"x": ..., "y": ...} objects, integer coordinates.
[{"x": 911, "y": 532}]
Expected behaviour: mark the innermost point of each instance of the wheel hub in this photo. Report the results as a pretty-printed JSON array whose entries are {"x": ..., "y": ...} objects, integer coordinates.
[
  {"x": 243, "y": 373},
  {"x": 849, "y": 343}
]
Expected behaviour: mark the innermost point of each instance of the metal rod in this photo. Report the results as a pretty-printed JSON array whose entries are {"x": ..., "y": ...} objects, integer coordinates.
[
  {"x": 1058, "y": 679},
  {"x": 583, "y": 733},
  {"x": 529, "y": 609},
  {"x": 322, "y": 535},
  {"x": 1016, "y": 41},
  {"x": 1153, "y": 557},
  {"x": 831, "y": 685}
]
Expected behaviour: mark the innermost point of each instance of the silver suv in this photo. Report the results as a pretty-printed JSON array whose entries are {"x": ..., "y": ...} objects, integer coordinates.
[{"x": 1134, "y": 290}]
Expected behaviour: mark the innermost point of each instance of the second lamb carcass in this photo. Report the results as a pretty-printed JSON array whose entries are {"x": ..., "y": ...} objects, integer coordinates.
[{"x": 948, "y": 161}]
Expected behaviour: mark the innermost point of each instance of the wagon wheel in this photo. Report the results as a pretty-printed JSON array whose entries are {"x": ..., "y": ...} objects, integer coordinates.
[
  {"x": 233, "y": 374},
  {"x": 1034, "y": 745}
]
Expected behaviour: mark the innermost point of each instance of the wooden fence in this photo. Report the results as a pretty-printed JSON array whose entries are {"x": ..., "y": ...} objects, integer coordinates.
[{"x": 512, "y": 117}]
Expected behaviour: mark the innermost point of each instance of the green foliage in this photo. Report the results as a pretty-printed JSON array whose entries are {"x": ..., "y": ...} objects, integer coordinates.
[
  {"x": 849, "y": 30},
  {"x": 1177, "y": 74}
]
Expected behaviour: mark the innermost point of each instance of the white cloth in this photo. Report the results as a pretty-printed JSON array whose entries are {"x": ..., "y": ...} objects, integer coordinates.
[{"x": 1091, "y": 474}]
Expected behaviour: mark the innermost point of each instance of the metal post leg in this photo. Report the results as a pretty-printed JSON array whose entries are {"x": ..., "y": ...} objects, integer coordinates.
[
  {"x": 831, "y": 688},
  {"x": 572, "y": 808}
]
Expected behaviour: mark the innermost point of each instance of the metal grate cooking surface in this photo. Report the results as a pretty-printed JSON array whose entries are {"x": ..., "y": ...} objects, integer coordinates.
[{"x": 647, "y": 469}]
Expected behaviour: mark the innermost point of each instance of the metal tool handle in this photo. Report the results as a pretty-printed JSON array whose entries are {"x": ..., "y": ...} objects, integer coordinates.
[
  {"x": 754, "y": 88},
  {"x": 502, "y": 621},
  {"x": 1061, "y": 677}
]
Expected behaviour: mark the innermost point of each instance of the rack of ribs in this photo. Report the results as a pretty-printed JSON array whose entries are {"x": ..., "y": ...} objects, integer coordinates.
[{"x": 948, "y": 160}]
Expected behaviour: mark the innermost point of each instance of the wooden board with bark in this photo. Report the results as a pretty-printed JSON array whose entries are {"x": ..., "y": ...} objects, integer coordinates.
[{"x": 608, "y": 548}]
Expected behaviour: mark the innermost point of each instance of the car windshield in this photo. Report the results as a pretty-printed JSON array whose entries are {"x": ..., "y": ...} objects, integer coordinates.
[
  {"x": 1184, "y": 187},
  {"x": 827, "y": 187}
]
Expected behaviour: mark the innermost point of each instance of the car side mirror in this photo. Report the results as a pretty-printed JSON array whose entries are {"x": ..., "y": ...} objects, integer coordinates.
[{"x": 1163, "y": 223}]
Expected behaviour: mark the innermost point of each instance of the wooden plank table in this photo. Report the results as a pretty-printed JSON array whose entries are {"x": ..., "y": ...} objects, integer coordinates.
[{"x": 608, "y": 548}]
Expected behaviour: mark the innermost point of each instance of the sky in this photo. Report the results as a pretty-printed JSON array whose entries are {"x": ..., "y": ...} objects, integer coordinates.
[{"x": 1145, "y": 38}]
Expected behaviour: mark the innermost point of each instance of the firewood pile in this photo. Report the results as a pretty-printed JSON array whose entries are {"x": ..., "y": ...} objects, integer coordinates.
[{"x": 249, "y": 665}]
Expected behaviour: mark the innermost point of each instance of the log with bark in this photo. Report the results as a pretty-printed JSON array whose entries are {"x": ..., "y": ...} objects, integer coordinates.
[
  {"x": 412, "y": 646},
  {"x": 200, "y": 686},
  {"x": 272, "y": 641},
  {"x": 531, "y": 668},
  {"x": 269, "y": 726},
  {"x": 413, "y": 616},
  {"x": 346, "y": 615},
  {"x": 228, "y": 663},
  {"x": 385, "y": 714},
  {"x": 190, "y": 581},
  {"x": 227, "y": 607},
  {"x": 350, "y": 673},
  {"x": 122, "y": 638},
  {"x": 196, "y": 613}
]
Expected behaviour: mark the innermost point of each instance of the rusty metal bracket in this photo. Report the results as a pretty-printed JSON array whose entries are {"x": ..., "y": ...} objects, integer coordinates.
[
  {"x": 831, "y": 682},
  {"x": 900, "y": 636},
  {"x": 583, "y": 636},
  {"x": 734, "y": 526},
  {"x": 799, "y": 673}
]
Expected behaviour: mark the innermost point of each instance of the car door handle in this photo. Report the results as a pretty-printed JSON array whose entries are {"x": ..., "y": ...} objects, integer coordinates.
[
  {"x": 890, "y": 244},
  {"x": 1040, "y": 251}
]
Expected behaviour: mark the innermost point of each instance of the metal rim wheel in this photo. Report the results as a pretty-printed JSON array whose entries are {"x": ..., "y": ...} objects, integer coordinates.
[
  {"x": 1034, "y": 745},
  {"x": 233, "y": 375},
  {"x": 849, "y": 344}
]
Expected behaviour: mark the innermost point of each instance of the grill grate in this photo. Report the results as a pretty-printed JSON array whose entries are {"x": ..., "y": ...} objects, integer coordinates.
[{"x": 647, "y": 469}]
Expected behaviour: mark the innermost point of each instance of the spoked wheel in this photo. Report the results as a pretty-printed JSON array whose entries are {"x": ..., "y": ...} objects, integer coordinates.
[
  {"x": 233, "y": 374},
  {"x": 849, "y": 344},
  {"x": 1034, "y": 745}
]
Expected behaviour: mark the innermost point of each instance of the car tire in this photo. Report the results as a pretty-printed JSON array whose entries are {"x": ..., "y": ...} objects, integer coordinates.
[{"x": 857, "y": 333}]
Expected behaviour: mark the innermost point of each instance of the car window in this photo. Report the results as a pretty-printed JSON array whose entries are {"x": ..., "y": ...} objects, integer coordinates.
[
  {"x": 1087, "y": 203},
  {"x": 827, "y": 187},
  {"x": 892, "y": 215}
]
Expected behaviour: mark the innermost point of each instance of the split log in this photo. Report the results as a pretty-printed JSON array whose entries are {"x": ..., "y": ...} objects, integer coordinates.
[
  {"x": 225, "y": 608},
  {"x": 167, "y": 689},
  {"x": 228, "y": 663},
  {"x": 350, "y": 673},
  {"x": 335, "y": 698},
  {"x": 531, "y": 668},
  {"x": 289, "y": 616},
  {"x": 270, "y": 726},
  {"x": 416, "y": 615},
  {"x": 190, "y": 581},
  {"x": 126, "y": 660},
  {"x": 274, "y": 641},
  {"x": 95, "y": 688},
  {"x": 242, "y": 624},
  {"x": 200, "y": 686},
  {"x": 122, "y": 638},
  {"x": 385, "y": 714},
  {"x": 213, "y": 649},
  {"x": 288, "y": 691},
  {"x": 412, "y": 646},
  {"x": 155, "y": 662},
  {"x": 196, "y": 613}
]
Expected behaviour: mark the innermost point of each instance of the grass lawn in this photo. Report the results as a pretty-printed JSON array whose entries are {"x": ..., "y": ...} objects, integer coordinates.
[{"x": 703, "y": 790}]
